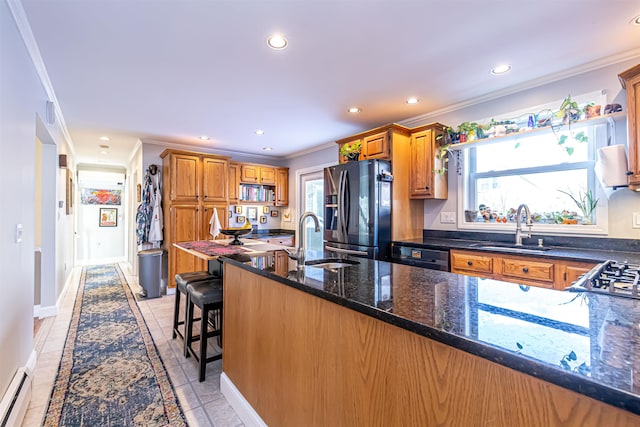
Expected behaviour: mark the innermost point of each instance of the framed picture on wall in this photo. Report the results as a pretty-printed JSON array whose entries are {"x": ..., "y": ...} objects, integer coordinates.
[
  {"x": 108, "y": 217},
  {"x": 240, "y": 219},
  {"x": 238, "y": 209},
  {"x": 252, "y": 213},
  {"x": 265, "y": 209},
  {"x": 263, "y": 219},
  {"x": 274, "y": 213}
]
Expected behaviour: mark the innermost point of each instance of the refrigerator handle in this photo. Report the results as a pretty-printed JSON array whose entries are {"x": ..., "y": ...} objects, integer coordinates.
[
  {"x": 343, "y": 207},
  {"x": 340, "y": 206}
]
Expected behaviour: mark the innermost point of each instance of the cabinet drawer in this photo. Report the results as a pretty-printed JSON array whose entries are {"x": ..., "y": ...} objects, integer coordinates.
[
  {"x": 525, "y": 269},
  {"x": 470, "y": 262}
]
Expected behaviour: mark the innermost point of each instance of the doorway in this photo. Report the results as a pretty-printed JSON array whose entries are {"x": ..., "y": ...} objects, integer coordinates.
[{"x": 311, "y": 199}]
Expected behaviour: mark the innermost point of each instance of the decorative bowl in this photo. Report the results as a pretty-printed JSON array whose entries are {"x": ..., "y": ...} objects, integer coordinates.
[{"x": 235, "y": 233}]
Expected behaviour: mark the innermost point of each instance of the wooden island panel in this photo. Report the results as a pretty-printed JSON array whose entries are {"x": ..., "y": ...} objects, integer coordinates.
[{"x": 302, "y": 360}]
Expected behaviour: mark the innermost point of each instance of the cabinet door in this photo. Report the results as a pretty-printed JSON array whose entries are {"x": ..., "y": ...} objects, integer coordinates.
[
  {"x": 267, "y": 175},
  {"x": 234, "y": 182},
  {"x": 571, "y": 271},
  {"x": 185, "y": 178},
  {"x": 471, "y": 263},
  {"x": 630, "y": 80},
  {"x": 207, "y": 213},
  {"x": 250, "y": 174},
  {"x": 421, "y": 165},
  {"x": 185, "y": 227},
  {"x": 376, "y": 146},
  {"x": 214, "y": 180},
  {"x": 282, "y": 187}
]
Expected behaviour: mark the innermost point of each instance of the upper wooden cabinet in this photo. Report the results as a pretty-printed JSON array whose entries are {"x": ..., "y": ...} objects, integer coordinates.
[
  {"x": 234, "y": 182},
  {"x": 184, "y": 179},
  {"x": 425, "y": 182},
  {"x": 194, "y": 177},
  {"x": 257, "y": 174},
  {"x": 282, "y": 186},
  {"x": 630, "y": 80},
  {"x": 378, "y": 143},
  {"x": 214, "y": 179}
]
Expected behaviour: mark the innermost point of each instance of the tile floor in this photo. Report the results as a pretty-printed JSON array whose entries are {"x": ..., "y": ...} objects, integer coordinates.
[{"x": 202, "y": 403}]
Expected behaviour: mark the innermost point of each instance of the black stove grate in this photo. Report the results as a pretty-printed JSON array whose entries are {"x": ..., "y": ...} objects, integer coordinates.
[{"x": 612, "y": 278}]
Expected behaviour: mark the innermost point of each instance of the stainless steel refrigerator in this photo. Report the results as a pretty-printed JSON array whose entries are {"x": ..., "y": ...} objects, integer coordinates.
[{"x": 357, "y": 198}]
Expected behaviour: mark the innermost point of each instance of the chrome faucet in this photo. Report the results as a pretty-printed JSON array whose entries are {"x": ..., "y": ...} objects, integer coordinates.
[
  {"x": 302, "y": 238},
  {"x": 529, "y": 223}
]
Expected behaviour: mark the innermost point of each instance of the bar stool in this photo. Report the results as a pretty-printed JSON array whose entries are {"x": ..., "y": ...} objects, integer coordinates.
[
  {"x": 182, "y": 280},
  {"x": 207, "y": 296}
]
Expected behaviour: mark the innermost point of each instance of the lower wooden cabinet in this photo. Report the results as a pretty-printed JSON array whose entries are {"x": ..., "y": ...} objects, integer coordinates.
[{"x": 534, "y": 271}]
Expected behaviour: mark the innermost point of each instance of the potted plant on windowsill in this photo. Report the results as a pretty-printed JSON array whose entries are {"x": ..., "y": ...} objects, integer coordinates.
[
  {"x": 351, "y": 151},
  {"x": 586, "y": 202}
]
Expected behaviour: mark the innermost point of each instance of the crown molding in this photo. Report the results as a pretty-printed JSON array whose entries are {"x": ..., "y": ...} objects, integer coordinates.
[
  {"x": 188, "y": 147},
  {"x": 311, "y": 150},
  {"x": 531, "y": 84},
  {"x": 20, "y": 18}
]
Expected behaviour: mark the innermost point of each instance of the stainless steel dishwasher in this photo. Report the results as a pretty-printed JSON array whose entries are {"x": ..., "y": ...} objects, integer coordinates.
[{"x": 435, "y": 259}]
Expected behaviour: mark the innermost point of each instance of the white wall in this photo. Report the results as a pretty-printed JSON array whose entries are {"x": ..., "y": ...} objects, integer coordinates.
[
  {"x": 22, "y": 103},
  {"x": 621, "y": 204}
]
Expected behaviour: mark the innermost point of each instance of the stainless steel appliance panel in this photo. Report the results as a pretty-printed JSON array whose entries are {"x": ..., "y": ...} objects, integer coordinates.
[{"x": 433, "y": 259}]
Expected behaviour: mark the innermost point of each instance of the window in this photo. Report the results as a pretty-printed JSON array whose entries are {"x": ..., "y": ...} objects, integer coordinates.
[{"x": 543, "y": 170}]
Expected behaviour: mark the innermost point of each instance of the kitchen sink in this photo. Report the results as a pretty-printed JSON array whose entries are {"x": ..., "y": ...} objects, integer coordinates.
[
  {"x": 506, "y": 247},
  {"x": 331, "y": 263}
]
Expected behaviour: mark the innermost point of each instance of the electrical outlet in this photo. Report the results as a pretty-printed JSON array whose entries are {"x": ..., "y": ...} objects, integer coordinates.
[
  {"x": 636, "y": 220},
  {"x": 447, "y": 217}
]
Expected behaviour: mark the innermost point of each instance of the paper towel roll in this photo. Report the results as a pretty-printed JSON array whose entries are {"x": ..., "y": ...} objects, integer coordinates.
[{"x": 611, "y": 166}]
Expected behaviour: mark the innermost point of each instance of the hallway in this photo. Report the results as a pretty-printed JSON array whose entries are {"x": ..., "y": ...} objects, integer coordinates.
[{"x": 202, "y": 403}]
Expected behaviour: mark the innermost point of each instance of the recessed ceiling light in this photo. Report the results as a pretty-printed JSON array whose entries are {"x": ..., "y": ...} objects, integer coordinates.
[
  {"x": 277, "y": 42},
  {"x": 501, "y": 69},
  {"x": 354, "y": 110},
  {"x": 104, "y": 149},
  {"x": 412, "y": 100},
  {"x": 204, "y": 138},
  {"x": 635, "y": 21},
  {"x": 104, "y": 138},
  {"x": 259, "y": 132},
  {"x": 267, "y": 148}
]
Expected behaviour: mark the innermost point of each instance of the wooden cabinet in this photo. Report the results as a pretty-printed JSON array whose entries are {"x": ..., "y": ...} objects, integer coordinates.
[
  {"x": 257, "y": 174},
  {"x": 282, "y": 187},
  {"x": 630, "y": 80},
  {"x": 425, "y": 182},
  {"x": 234, "y": 182},
  {"x": 194, "y": 183},
  {"x": 534, "y": 271},
  {"x": 391, "y": 142}
]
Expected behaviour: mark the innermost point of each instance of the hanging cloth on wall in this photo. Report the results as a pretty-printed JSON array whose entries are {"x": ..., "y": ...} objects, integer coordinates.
[
  {"x": 145, "y": 210},
  {"x": 155, "y": 229},
  {"x": 214, "y": 224}
]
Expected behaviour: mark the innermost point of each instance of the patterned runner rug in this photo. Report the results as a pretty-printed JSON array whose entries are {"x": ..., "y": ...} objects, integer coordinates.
[{"x": 110, "y": 373}]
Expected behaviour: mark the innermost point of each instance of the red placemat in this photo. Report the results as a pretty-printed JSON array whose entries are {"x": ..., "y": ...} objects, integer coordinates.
[{"x": 211, "y": 248}]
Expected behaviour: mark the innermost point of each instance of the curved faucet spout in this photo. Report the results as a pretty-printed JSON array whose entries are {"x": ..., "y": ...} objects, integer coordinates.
[
  {"x": 528, "y": 223},
  {"x": 302, "y": 237}
]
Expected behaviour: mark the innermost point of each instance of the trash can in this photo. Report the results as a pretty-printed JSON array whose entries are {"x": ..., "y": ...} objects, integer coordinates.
[{"x": 150, "y": 272}]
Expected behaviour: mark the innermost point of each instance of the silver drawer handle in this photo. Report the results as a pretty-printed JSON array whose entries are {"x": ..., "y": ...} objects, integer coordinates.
[{"x": 345, "y": 251}]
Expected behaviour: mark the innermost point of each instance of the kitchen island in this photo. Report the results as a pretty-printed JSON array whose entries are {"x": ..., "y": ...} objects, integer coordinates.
[{"x": 376, "y": 343}]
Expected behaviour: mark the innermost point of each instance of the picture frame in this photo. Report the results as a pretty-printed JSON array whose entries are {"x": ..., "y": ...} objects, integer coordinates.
[
  {"x": 108, "y": 217},
  {"x": 239, "y": 209},
  {"x": 240, "y": 219},
  {"x": 274, "y": 214},
  {"x": 265, "y": 209},
  {"x": 263, "y": 219},
  {"x": 230, "y": 213},
  {"x": 69, "y": 193},
  {"x": 252, "y": 213}
]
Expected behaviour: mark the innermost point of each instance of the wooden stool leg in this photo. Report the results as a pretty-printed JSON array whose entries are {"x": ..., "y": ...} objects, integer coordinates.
[
  {"x": 188, "y": 329},
  {"x": 204, "y": 333},
  {"x": 176, "y": 313}
]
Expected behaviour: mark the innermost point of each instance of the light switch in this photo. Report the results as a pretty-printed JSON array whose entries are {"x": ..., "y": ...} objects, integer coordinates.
[
  {"x": 447, "y": 217},
  {"x": 18, "y": 233},
  {"x": 636, "y": 220}
]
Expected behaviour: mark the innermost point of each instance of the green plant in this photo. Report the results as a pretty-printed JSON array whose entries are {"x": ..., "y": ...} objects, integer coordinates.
[
  {"x": 466, "y": 127},
  {"x": 586, "y": 202},
  {"x": 442, "y": 155},
  {"x": 351, "y": 148}
]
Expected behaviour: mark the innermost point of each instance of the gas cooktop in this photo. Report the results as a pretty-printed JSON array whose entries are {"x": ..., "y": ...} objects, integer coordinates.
[{"x": 611, "y": 278}]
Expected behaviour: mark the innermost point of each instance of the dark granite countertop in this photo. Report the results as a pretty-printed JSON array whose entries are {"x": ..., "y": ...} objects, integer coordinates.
[
  {"x": 265, "y": 234},
  {"x": 587, "y": 343},
  {"x": 566, "y": 248}
]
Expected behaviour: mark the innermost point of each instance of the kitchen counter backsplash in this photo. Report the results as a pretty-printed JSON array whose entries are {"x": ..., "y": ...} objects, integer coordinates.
[
  {"x": 606, "y": 244},
  {"x": 584, "y": 342}
]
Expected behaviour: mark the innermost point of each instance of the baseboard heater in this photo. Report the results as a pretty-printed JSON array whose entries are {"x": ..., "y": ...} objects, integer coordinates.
[{"x": 15, "y": 401}]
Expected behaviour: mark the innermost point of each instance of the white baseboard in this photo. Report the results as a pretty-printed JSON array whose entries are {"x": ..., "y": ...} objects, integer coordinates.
[
  {"x": 46, "y": 311},
  {"x": 171, "y": 291},
  {"x": 32, "y": 362},
  {"x": 245, "y": 411}
]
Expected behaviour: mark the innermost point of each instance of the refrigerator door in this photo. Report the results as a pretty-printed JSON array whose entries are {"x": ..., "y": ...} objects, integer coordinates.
[{"x": 358, "y": 205}]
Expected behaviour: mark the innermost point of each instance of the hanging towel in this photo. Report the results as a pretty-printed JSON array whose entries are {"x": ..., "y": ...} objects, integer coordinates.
[
  {"x": 215, "y": 224},
  {"x": 144, "y": 212},
  {"x": 155, "y": 229}
]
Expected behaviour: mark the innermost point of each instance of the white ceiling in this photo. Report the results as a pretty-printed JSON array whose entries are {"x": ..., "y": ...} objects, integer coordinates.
[{"x": 169, "y": 70}]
